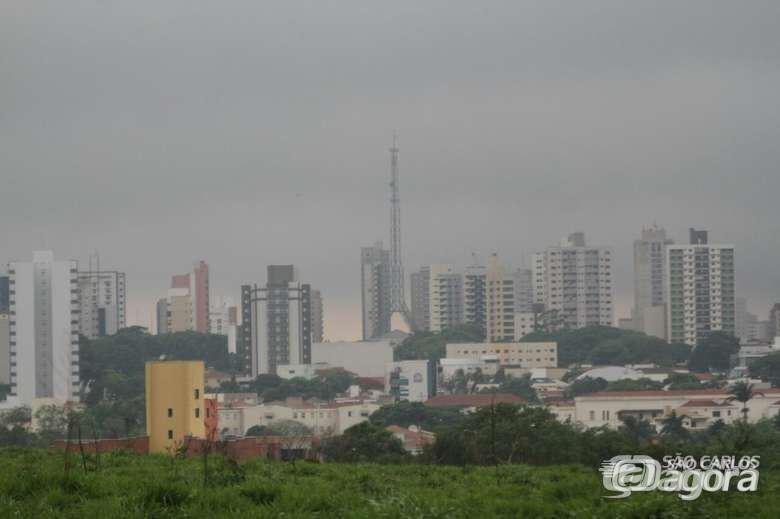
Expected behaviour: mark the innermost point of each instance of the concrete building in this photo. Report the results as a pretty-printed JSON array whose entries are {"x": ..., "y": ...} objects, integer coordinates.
[
  {"x": 174, "y": 403},
  {"x": 650, "y": 280},
  {"x": 375, "y": 291},
  {"x": 575, "y": 281},
  {"x": 317, "y": 317},
  {"x": 321, "y": 418},
  {"x": 522, "y": 354},
  {"x": 187, "y": 305},
  {"x": 103, "y": 302},
  {"x": 475, "y": 296},
  {"x": 524, "y": 290},
  {"x": 445, "y": 298},
  {"x": 699, "y": 407},
  {"x": 161, "y": 316},
  {"x": 420, "y": 286},
  {"x": 410, "y": 380},
  {"x": 500, "y": 302},
  {"x": 700, "y": 290},
  {"x": 280, "y": 320},
  {"x": 4, "y": 297},
  {"x": 223, "y": 320},
  {"x": 363, "y": 358},
  {"x": 5, "y": 349},
  {"x": 449, "y": 367},
  {"x": 774, "y": 320},
  {"x": 749, "y": 353},
  {"x": 525, "y": 323},
  {"x": 44, "y": 333}
]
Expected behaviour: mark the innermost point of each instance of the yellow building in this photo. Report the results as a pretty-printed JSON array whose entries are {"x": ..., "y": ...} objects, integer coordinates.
[{"x": 174, "y": 403}]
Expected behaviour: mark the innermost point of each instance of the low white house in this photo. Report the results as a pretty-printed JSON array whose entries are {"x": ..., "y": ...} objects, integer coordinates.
[{"x": 700, "y": 407}]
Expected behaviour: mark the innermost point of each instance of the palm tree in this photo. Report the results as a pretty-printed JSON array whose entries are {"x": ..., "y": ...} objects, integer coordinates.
[
  {"x": 743, "y": 392},
  {"x": 674, "y": 427}
]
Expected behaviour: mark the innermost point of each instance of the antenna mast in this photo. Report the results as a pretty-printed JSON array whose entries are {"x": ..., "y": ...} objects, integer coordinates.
[{"x": 397, "y": 298}]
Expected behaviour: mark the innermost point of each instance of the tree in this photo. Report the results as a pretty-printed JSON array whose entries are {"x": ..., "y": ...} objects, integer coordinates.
[
  {"x": 365, "y": 442},
  {"x": 744, "y": 393},
  {"x": 585, "y": 386},
  {"x": 767, "y": 368},
  {"x": 432, "y": 346},
  {"x": 417, "y": 413},
  {"x": 636, "y": 430},
  {"x": 713, "y": 353},
  {"x": 520, "y": 386},
  {"x": 16, "y": 417},
  {"x": 673, "y": 427},
  {"x": 677, "y": 381},
  {"x": 627, "y": 384}
]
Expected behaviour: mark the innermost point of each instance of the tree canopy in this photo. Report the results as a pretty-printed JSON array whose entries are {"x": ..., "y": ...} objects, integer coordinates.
[
  {"x": 714, "y": 353},
  {"x": 433, "y": 346}
]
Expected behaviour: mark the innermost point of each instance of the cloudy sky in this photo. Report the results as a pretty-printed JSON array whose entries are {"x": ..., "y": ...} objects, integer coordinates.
[{"x": 253, "y": 132}]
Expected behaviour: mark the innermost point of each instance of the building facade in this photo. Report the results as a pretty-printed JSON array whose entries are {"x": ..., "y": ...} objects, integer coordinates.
[
  {"x": 524, "y": 290},
  {"x": 375, "y": 291},
  {"x": 774, "y": 320},
  {"x": 174, "y": 403},
  {"x": 575, "y": 281},
  {"x": 317, "y": 317},
  {"x": 650, "y": 280},
  {"x": 521, "y": 354},
  {"x": 44, "y": 329},
  {"x": 280, "y": 321},
  {"x": 699, "y": 290},
  {"x": 363, "y": 358},
  {"x": 223, "y": 320},
  {"x": 103, "y": 302},
  {"x": 5, "y": 348},
  {"x": 500, "y": 302},
  {"x": 475, "y": 296},
  {"x": 410, "y": 380},
  {"x": 420, "y": 286}
]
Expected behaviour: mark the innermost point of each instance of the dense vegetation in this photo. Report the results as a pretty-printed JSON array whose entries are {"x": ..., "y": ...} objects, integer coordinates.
[
  {"x": 603, "y": 345},
  {"x": 37, "y": 484},
  {"x": 433, "y": 346}
]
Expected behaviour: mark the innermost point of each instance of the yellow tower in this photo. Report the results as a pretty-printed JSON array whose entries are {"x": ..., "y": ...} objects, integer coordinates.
[{"x": 174, "y": 403}]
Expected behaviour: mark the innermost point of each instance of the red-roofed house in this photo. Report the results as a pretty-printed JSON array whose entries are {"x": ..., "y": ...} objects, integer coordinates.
[{"x": 414, "y": 439}]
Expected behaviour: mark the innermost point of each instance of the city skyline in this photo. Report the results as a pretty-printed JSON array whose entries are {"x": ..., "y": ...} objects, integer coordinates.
[{"x": 517, "y": 125}]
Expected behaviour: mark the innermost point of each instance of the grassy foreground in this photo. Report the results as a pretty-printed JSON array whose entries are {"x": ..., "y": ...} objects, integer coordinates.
[{"x": 33, "y": 484}]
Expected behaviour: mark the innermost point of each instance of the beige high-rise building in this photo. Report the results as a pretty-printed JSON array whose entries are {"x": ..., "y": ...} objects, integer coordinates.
[{"x": 500, "y": 302}]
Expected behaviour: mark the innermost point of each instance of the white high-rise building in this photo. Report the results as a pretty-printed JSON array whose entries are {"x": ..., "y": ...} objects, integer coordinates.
[
  {"x": 649, "y": 281},
  {"x": 102, "y": 296},
  {"x": 44, "y": 317},
  {"x": 445, "y": 297},
  {"x": 280, "y": 320},
  {"x": 223, "y": 319},
  {"x": 500, "y": 302},
  {"x": 576, "y": 281},
  {"x": 699, "y": 290}
]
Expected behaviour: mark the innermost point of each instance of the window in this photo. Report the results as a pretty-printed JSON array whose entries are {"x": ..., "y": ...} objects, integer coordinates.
[
  {"x": 197, "y": 412},
  {"x": 170, "y": 412},
  {"x": 716, "y": 414},
  {"x": 592, "y": 415},
  {"x": 605, "y": 415},
  {"x": 170, "y": 434},
  {"x": 197, "y": 394}
]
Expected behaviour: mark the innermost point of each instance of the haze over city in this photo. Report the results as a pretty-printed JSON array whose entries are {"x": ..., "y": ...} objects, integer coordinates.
[{"x": 259, "y": 135}]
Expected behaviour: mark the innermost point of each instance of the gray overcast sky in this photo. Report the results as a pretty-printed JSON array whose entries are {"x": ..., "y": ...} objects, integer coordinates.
[{"x": 247, "y": 133}]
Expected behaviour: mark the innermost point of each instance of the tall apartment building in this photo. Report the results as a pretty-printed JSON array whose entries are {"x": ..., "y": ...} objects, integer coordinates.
[
  {"x": 375, "y": 291},
  {"x": 188, "y": 305},
  {"x": 699, "y": 290},
  {"x": 280, "y": 321},
  {"x": 4, "y": 305},
  {"x": 437, "y": 297},
  {"x": 223, "y": 320},
  {"x": 44, "y": 329},
  {"x": 774, "y": 320},
  {"x": 576, "y": 281},
  {"x": 524, "y": 290},
  {"x": 317, "y": 317},
  {"x": 650, "y": 281},
  {"x": 475, "y": 296},
  {"x": 420, "y": 286},
  {"x": 500, "y": 302},
  {"x": 445, "y": 297},
  {"x": 102, "y": 296}
]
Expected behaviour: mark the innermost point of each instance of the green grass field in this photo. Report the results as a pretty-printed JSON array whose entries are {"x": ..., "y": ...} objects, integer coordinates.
[{"x": 33, "y": 483}]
